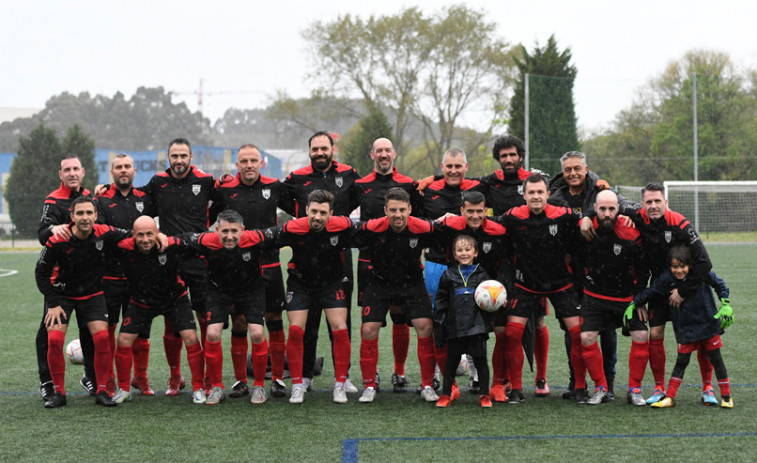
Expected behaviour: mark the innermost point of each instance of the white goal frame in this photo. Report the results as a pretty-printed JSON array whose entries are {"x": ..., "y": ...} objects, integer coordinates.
[{"x": 707, "y": 187}]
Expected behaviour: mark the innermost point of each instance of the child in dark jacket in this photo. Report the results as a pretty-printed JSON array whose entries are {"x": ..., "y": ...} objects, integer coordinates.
[
  {"x": 698, "y": 324},
  {"x": 458, "y": 321}
]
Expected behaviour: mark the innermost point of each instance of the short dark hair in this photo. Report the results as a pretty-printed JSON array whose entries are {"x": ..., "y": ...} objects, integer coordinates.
[
  {"x": 321, "y": 133},
  {"x": 180, "y": 141},
  {"x": 464, "y": 239},
  {"x": 474, "y": 197},
  {"x": 508, "y": 141},
  {"x": 231, "y": 216},
  {"x": 397, "y": 194},
  {"x": 680, "y": 253},
  {"x": 321, "y": 196},
  {"x": 653, "y": 186},
  {"x": 82, "y": 200},
  {"x": 69, "y": 156},
  {"x": 535, "y": 178}
]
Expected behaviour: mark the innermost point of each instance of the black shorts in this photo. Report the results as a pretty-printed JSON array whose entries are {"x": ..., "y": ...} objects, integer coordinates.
[
  {"x": 274, "y": 288},
  {"x": 194, "y": 272},
  {"x": 524, "y": 303},
  {"x": 602, "y": 314},
  {"x": 250, "y": 304},
  {"x": 87, "y": 310},
  {"x": 363, "y": 276},
  {"x": 499, "y": 318},
  {"x": 178, "y": 312},
  {"x": 116, "y": 297},
  {"x": 299, "y": 297},
  {"x": 380, "y": 296},
  {"x": 659, "y": 311}
]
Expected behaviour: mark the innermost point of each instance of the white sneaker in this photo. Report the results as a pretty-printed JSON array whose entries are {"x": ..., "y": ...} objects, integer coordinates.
[
  {"x": 298, "y": 394},
  {"x": 340, "y": 395},
  {"x": 308, "y": 383},
  {"x": 216, "y": 396},
  {"x": 198, "y": 397},
  {"x": 349, "y": 387},
  {"x": 429, "y": 395},
  {"x": 259, "y": 395},
  {"x": 368, "y": 395},
  {"x": 122, "y": 396}
]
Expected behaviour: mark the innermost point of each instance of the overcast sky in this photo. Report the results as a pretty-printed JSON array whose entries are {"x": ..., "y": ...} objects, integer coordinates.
[{"x": 247, "y": 50}]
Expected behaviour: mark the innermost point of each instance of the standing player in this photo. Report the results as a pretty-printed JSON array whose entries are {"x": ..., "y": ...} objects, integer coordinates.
[
  {"x": 156, "y": 289},
  {"x": 614, "y": 272},
  {"x": 56, "y": 217},
  {"x": 119, "y": 207},
  {"x": 256, "y": 197},
  {"x": 323, "y": 173},
  {"x": 394, "y": 244},
  {"x": 541, "y": 236},
  {"x": 236, "y": 286},
  {"x": 69, "y": 273},
  {"x": 316, "y": 270},
  {"x": 370, "y": 192}
]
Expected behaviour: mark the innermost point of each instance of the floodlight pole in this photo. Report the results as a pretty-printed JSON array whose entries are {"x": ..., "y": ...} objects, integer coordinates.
[
  {"x": 525, "y": 116},
  {"x": 696, "y": 156}
]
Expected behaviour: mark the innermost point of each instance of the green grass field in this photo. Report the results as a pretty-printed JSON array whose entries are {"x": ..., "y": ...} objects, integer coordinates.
[{"x": 395, "y": 427}]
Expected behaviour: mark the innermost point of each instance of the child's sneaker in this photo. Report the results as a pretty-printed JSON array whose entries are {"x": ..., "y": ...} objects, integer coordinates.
[
  {"x": 656, "y": 396},
  {"x": 708, "y": 397},
  {"x": 666, "y": 402},
  {"x": 727, "y": 402},
  {"x": 455, "y": 393},
  {"x": 486, "y": 402},
  {"x": 443, "y": 402}
]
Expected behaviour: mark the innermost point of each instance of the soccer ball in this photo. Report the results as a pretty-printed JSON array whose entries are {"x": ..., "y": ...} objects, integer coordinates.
[
  {"x": 462, "y": 367},
  {"x": 74, "y": 353},
  {"x": 490, "y": 295}
]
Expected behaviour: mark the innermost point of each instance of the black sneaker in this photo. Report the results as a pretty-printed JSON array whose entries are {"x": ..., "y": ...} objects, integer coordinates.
[
  {"x": 47, "y": 390},
  {"x": 102, "y": 398},
  {"x": 239, "y": 389},
  {"x": 55, "y": 401},
  {"x": 378, "y": 381},
  {"x": 436, "y": 385},
  {"x": 399, "y": 383},
  {"x": 610, "y": 391},
  {"x": 88, "y": 385},
  {"x": 473, "y": 386},
  {"x": 278, "y": 388},
  {"x": 581, "y": 397},
  {"x": 515, "y": 397}
]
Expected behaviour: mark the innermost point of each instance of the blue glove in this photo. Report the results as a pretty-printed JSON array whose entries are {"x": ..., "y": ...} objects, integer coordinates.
[
  {"x": 725, "y": 314},
  {"x": 628, "y": 315}
]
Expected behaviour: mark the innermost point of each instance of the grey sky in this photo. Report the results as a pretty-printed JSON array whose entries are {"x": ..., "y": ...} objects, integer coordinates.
[{"x": 247, "y": 50}]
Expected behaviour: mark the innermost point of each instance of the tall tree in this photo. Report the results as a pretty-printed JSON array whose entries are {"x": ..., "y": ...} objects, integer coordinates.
[
  {"x": 552, "y": 114},
  {"x": 355, "y": 147}
]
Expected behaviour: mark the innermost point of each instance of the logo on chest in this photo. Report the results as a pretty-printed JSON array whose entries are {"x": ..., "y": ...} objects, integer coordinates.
[
  {"x": 99, "y": 245},
  {"x": 339, "y": 181},
  {"x": 140, "y": 206},
  {"x": 553, "y": 230},
  {"x": 246, "y": 256},
  {"x": 334, "y": 240},
  {"x": 162, "y": 259},
  {"x": 196, "y": 189},
  {"x": 486, "y": 247},
  {"x": 668, "y": 236},
  {"x": 266, "y": 193},
  {"x": 413, "y": 243},
  {"x": 616, "y": 248}
]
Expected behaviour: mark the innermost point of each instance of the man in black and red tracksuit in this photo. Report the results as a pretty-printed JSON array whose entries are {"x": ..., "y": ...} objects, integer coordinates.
[
  {"x": 316, "y": 271},
  {"x": 119, "y": 206},
  {"x": 323, "y": 173},
  {"x": 256, "y": 197},
  {"x": 614, "y": 271},
  {"x": 55, "y": 220},
  {"x": 542, "y": 236},
  {"x": 370, "y": 191},
  {"x": 394, "y": 244},
  {"x": 181, "y": 195},
  {"x": 69, "y": 275}
]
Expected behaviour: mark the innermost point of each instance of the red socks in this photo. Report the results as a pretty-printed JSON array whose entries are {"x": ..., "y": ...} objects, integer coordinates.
[
  {"x": 499, "y": 362},
  {"x": 637, "y": 363},
  {"x": 214, "y": 362},
  {"x": 426, "y": 359},
  {"x": 123, "y": 366},
  {"x": 657, "y": 361},
  {"x": 141, "y": 353},
  {"x": 514, "y": 353},
  {"x": 196, "y": 361},
  {"x": 592, "y": 358},
  {"x": 239, "y": 356},
  {"x": 294, "y": 353},
  {"x": 55, "y": 360},
  {"x": 579, "y": 369},
  {"x": 277, "y": 348},
  {"x": 400, "y": 346},
  {"x": 103, "y": 362},
  {"x": 259, "y": 361},
  {"x": 341, "y": 355},
  {"x": 673, "y": 387},
  {"x": 369, "y": 355},
  {"x": 705, "y": 367},
  {"x": 172, "y": 345},
  {"x": 541, "y": 351}
]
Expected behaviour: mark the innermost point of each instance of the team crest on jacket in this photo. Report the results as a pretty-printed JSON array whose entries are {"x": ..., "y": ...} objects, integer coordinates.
[
  {"x": 668, "y": 236},
  {"x": 520, "y": 189},
  {"x": 334, "y": 240},
  {"x": 413, "y": 243},
  {"x": 339, "y": 181},
  {"x": 99, "y": 245},
  {"x": 140, "y": 206},
  {"x": 246, "y": 256},
  {"x": 196, "y": 189},
  {"x": 162, "y": 259},
  {"x": 486, "y": 247},
  {"x": 616, "y": 248},
  {"x": 266, "y": 193},
  {"x": 553, "y": 230}
]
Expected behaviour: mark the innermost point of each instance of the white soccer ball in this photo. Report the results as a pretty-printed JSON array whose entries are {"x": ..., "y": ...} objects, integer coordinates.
[
  {"x": 74, "y": 353},
  {"x": 490, "y": 295}
]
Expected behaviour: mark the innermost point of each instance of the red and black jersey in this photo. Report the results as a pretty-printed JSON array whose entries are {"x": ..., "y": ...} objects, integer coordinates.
[
  {"x": 440, "y": 198},
  {"x": 230, "y": 270},
  {"x": 371, "y": 189},
  {"x": 396, "y": 257},
  {"x": 541, "y": 243},
  {"x": 658, "y": 236},
  {"x": 257, "y": 203},
  {"x": 338, "y": 180},
  {"x": 613, "y": 263},
  {"x": 505, "y": 190},
  {"x": 121, "y": 211},
  {"x": 57, "y": 210},
  {"x": 154, "y": 277},
  {"x": 73, "y": 268},
  {"x": 493, "y": 245},
  {"x": 317, "y": 257},
  {"x": 182, "y": 203}
]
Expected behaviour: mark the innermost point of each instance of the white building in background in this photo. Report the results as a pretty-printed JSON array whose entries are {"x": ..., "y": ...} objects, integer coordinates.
[{"x": 9, "y": 114}]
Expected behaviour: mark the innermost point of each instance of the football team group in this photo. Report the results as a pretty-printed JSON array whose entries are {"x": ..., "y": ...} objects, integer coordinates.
[{"x": 567, "y": 244}]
